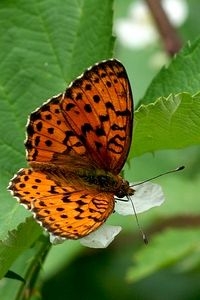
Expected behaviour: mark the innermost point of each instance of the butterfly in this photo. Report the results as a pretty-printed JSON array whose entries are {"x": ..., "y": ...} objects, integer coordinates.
[{"x": 77, "y": 144}]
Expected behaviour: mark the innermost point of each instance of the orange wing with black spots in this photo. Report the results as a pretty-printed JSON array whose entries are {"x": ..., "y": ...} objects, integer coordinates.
[
  {"x": 77, "y": 143},
  {"x": 48, "y": 136},
  {"x": 66, "y": 211},
  {"x": 91, "y": 121},
  {"x": 98, "y": 107}
]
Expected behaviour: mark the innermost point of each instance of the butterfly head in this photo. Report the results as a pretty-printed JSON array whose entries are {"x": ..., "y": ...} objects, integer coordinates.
[{"x": 124, "y": 189}]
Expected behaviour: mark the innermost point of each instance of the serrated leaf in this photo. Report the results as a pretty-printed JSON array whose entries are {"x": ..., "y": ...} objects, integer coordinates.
[
  {"x": 171, "y": 123},
  {"x": 182, "y": 75},
  {"x": 52, "y": 43},
  {"x": 163, "y": 251}
]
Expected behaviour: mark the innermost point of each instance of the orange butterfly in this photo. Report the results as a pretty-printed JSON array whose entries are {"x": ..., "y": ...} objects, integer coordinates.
[{"x": 77, "y": 143}]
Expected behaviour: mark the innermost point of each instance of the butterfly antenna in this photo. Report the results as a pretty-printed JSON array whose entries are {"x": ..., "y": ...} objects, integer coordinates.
[
  {"x": 144, "y": 237},
  {"x": 164, "y": 173}
]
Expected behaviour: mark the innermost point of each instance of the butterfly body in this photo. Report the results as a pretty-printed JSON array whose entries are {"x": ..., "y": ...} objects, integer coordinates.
[{"x": 77, "y": 143}]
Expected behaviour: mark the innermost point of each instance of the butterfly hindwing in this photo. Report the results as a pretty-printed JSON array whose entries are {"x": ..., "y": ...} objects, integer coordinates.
[{"x": 65, "y": 211}]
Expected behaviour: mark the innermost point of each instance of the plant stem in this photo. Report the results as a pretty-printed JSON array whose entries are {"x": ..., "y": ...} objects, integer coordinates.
[
  {"x": 168, "y": 33},
  {"x": 28, "y": 289}
]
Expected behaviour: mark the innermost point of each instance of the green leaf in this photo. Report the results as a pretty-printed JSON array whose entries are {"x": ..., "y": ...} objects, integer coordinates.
[
  {"x": 165, "y": 249},
  {"x": 17, "y": 241},
  {"x": 44, "y": 45},
  {"x": 170, "y": 123},
  {"x": 182, "y": 75},
  {"x": 27, "y": 265}
]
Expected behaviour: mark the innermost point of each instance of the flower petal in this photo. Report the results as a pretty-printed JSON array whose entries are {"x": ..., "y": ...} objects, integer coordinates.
[
  {"x": 147, "y": 195},
  {"x": 101, "y": 237}
]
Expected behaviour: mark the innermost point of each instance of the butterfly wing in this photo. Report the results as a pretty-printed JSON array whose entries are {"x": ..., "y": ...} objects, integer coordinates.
[
  {"x": 90, "y": 124},
  {"x": 66, "y": 211},
  {"x": 48, "y": 136},
  {"x": 98, "y": 107}
]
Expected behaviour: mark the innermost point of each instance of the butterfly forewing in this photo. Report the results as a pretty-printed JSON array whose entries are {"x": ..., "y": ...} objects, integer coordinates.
[
  {"x": 99, "y": 108},
  {"x": 48, "y": 135}
]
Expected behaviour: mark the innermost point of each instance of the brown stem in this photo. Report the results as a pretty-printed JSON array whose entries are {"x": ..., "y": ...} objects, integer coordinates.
[
  {"x": 170, "y": 38},
  {"x": 179, "y": 221}
]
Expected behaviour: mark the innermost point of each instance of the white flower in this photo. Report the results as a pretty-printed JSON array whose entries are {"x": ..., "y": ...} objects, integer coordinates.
[
  {"x": 138, "y": 29},
  {"x": 102, "y": 237},
  {"x": 147, "y": 195},
  {"x": 176, "y": 10}
]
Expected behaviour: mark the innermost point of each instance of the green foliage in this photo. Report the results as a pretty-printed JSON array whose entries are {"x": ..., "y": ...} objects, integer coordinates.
[
  {"x": 161, "y": 255},
  {"x": 16, "y": 242},
  {"x": 168, "y": 123},
  {"x": 45, "y": 45},
  {"x": 182, "y": 75}
]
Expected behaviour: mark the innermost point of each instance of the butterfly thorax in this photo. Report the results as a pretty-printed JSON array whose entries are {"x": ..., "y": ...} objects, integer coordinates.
[
  {"x": 91, "y": 178},
  {"x": 106, "y": 182}
]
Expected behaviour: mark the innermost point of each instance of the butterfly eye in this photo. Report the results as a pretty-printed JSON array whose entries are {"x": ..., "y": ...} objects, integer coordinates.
[
  {"x": 121, "y": 194},
  {"x": 124, "y": 190}
]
